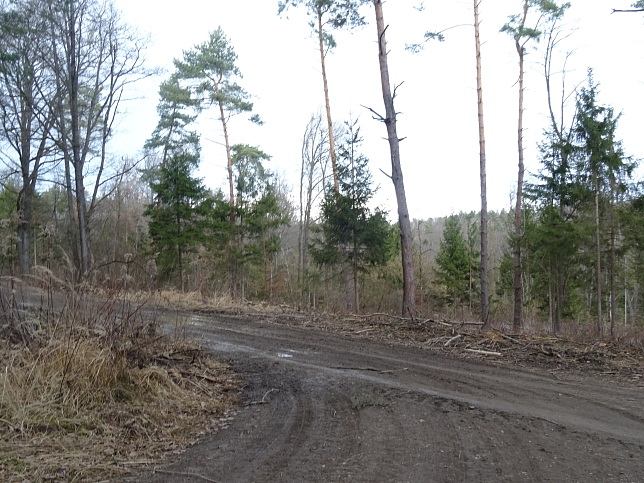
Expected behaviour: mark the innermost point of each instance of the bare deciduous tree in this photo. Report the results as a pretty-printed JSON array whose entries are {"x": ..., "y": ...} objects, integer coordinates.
[
  {"x": 313, "y": 175},
  {"x": 94, "y": 55},
  {"x": 25, "y": 116}
]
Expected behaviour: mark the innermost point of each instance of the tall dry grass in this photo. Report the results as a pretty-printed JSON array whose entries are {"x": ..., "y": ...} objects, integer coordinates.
[{"x": 90, "y": 388}]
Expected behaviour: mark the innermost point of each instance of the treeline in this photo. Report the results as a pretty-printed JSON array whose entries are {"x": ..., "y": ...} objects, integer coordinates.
[{"x": 572, "y": 247}]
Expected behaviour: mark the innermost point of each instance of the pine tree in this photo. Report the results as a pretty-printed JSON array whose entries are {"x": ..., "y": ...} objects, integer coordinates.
[
  {"x": 258, "y": 216},
  {"x": 328, "y": 14},
  {"x": 522, "y": 32},
  {"x": 211, "y": 71},
  {"x": 176, "y": 214}
]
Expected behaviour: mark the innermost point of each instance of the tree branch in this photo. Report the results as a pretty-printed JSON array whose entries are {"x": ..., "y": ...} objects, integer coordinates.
[{"x": 376, "y": 116}]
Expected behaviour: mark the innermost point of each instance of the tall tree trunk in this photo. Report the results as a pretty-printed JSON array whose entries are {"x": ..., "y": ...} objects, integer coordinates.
[
  {"x": 485, "y": 308},
  {"x": 349, "y": 288},
  {"x": 229, "y": 160},
  {"x": 77, "y": 156},
  {"x": 518, "y": 286},
  {"x": 613, "y": 202},
  {"x": 409, "y": 283},
  {"x": 598, "y": 263},
  {"x": 327, "y": 103},
  {"x": 232, "y": 265}
]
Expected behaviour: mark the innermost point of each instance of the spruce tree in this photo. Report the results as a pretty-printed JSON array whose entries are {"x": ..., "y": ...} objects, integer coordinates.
[
  {"x": 352, "y": 236},
  {"x": 454, "y": 263},
  {"x": 605, "y": 171}
]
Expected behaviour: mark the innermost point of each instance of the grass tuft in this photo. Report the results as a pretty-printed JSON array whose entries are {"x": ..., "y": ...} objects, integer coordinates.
[
  {"x": 368, "y": 400},
  {"x": 92, "y": 389}
]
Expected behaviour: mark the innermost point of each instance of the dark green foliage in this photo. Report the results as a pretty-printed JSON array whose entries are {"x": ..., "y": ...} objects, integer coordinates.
[
  {"x": 212, "y": 70},
  {"x": 351, "y": 233},
  {"x": 176, "y": 111},
  {"x": 176, "y": 224},
  {"x": 454, "y": 263},
  {"x": 577, "y": 238},
  {"x": 246, "y": 248},
  {"x": 336, "y": 14},
  {"x": 176, "y": 216},
  {"x": 600, "y": 155},
  {"x": 258, "y": 211}
]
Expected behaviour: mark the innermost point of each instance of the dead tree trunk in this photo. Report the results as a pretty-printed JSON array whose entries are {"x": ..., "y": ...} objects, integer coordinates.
[{"x": 409, "y": 283}]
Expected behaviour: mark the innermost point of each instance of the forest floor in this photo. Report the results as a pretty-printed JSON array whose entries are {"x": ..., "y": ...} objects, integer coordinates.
[
  {"x": 264, "y": 394},
  {"x": 392, "y": 400}
]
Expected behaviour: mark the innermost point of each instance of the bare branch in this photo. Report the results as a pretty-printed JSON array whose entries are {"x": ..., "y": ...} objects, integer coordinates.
[
  {"x": 387, "y": 175},
  {"x": 376, "y": 116}
]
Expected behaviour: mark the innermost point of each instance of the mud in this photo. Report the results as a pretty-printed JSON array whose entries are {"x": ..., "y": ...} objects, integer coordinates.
[{"x": 325, "y": 407}]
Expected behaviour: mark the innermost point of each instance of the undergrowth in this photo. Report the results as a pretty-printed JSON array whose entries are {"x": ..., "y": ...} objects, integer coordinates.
[{"x": 91, "y": 387}]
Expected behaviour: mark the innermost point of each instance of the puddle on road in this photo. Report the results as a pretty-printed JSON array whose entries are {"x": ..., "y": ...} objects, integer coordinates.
[{"x": 284, "y": 355}]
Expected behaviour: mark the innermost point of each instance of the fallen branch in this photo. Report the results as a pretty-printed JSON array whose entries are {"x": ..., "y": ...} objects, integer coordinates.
[
  {"x": 364, "y": 330},
  {"x": 452, "y": 340},
  {"x": 485, "y": 353},
  {"x": 263, "y": 401},
  {"x": 511, "y": 339},
  {"x": 377, "y": 314}
]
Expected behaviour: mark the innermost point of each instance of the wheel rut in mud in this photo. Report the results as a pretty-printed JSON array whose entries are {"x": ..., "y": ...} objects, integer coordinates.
[{"x": 323, "y": 407}]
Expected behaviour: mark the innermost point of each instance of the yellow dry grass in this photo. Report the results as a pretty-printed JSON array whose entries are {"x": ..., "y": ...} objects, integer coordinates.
[{"x": 78, "y": 403}]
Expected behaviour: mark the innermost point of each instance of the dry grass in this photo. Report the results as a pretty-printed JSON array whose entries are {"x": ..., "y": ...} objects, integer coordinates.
[
  {"x": 93, "y": 391},
  {"x": 220, "y": 303}
]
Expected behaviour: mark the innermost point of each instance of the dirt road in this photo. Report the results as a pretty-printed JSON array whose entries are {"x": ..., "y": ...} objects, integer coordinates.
[{"x": 324, "y": 408}]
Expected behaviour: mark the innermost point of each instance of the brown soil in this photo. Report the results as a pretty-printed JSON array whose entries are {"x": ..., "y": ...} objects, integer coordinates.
[{"x": 399, "y": 401}]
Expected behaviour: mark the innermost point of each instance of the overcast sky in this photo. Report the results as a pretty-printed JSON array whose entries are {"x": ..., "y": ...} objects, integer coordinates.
[{"x": 437, "y": 99}]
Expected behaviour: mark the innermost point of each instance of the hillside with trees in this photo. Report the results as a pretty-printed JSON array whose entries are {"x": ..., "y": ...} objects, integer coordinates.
[
  {"x": 143, "y": 306},
  {"x": 568, "y": 250}
]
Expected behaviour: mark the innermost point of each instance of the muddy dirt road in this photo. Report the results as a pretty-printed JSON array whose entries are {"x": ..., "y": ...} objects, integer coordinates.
[{"x": 326, "y": 408}]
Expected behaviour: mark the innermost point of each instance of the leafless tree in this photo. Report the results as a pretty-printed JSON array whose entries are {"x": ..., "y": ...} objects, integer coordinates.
[
  {"x": 94, "y": 55},
  {"x": 25, "y": 116},
  {"x": 404, "y": 223},
  {"x": 313, "y": 176}
]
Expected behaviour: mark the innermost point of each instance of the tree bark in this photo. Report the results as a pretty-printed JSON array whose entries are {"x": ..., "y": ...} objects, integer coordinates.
[
  {"x": 518, "y": 286},
  {"x": 485, "y": 308},
  {"x": 327, "y": 103},
  {"x": 409, "y": 283},
  {"x": 598, "y": 263}
]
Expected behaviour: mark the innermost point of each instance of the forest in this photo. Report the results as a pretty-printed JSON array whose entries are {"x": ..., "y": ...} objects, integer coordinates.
[{"x": 565, "y": 257}]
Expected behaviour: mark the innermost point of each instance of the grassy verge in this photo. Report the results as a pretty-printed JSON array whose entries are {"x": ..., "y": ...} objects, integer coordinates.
[{"x": 93, "y": 390}]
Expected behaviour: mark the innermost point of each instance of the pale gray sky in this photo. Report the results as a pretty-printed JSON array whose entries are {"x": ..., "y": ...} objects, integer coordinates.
[{"x": 280, "y": 64}]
